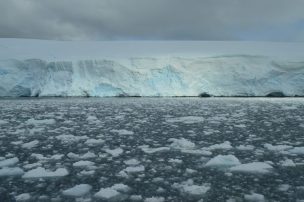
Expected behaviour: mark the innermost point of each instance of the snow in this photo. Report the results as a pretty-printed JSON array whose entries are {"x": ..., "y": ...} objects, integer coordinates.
[
  {"x": 223, "y": 161},
  {"x": 9, "y": 162},
  {"x": 78, "y": 190},
  {"x": 12, "y": 171},
  {"x": 187, "y": 68},
  {"x": 41, "y": 172},
  {"x": 254, "y": 167}
]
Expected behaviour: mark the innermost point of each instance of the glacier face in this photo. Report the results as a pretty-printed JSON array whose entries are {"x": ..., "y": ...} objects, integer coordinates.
[{"x": 173, "y": 71}]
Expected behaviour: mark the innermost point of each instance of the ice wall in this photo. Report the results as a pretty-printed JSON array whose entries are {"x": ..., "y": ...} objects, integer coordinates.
[{"x": 175, "y": 70}]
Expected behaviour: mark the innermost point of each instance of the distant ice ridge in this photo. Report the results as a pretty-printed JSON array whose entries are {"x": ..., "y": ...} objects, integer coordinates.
[{"x": 52, "y": 68}]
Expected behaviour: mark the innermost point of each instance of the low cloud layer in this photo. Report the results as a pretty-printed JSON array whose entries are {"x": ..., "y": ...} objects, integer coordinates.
[{"x": 269, "y": 20}]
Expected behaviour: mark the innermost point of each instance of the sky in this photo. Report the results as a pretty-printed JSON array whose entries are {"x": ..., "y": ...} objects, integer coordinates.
[{"x": 233, "y": 20}]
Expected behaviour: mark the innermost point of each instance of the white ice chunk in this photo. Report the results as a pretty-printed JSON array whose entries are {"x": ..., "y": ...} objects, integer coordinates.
[
  {"x": 107, "y": 194},
  {"x": 223, "y": 161},
  {"x": 149, "y": 150},
  {"x": 277, "y": 148},
  {"x": 288, "y": 163},
  {"x": 297, "y": 150},
  {"x": 11, "y": 171},
  {"x": 155, "y": 199},
  {"x": 83, "y": 163},
  {"x": 23, "y": 197},
  {"x": 30, "y": 145},
  {"x": 93, "y": 142},
  {"x": 181, "y": 143},
  {"x": 114, "y": 152},
  {"x": 9, "y": 162},
  {"x": 186, "y": 119},
  {"x": 254, "y": 167},
  {"x": 122, "y": 132},
  {"x": 43, "y": 173},
  {"x": 132, "y": 162},
  {"x": 225, "y": 145},
  {"x": 78, "y": 190},
  {"x": 40, "y": 122},
  {"x": 254, "y": 197}
]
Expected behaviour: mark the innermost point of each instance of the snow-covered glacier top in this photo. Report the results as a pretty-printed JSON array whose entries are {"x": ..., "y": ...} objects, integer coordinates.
[{"x": 149, "y": 68}]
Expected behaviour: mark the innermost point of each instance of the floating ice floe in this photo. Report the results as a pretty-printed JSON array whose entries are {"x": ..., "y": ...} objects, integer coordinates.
[
  {"x": 116, "y": 192},
  {"x": 2, "y": 122},
  {"x": 30, "y": 145},
  {"x": 23, "y": 197},
  {"x": 189, "y": 189},
  {"x": 12, "y": 171},
  {"x": 135, "y": 169},
  {"x": 277, "y": 148},
  {"x": 131, "y": 162},
  {"x": 122, "y": 132},
  {"x": 70, "y": 138},
  {"x": 254, "y": 167},
  {"x": 93, "y": 142},
  {"x": 181, "y": 143},
  {"x": 40, "y": 122},
  {"x": 297, "y": 150},
  {"x": 149, "y": 150},
  {"x": 186, "y": 119},
  {"x": 245, "y": 147},
  {"x": 9, "y": 162},
  {"x": 225, "y": 145},
  {"x": 83, "y": 163},
  {"x": 288, "y": 163},
  {"x": 254, "y": 197},
  {"x": 77, "y": 190},
  {"x": 107, "y": 194},
  {"x": 155, "y": 199},
  {"x": 114, "y": 152},
  {"x": 40, "y": 157},
  {"x": 43, "y": 173},
  {"x": 223, "y": 161},
  {"x": 87, "y": 155}
]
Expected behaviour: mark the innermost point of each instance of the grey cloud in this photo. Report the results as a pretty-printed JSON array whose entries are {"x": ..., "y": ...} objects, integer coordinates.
[{"x": 148, "y": 19}]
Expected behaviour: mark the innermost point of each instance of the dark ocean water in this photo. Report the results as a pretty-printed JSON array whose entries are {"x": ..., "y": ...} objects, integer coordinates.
[{"x": 157, "y": 147}]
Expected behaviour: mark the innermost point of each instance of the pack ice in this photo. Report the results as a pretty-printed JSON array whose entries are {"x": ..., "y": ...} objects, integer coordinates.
[{"x": 129, "y": 68}]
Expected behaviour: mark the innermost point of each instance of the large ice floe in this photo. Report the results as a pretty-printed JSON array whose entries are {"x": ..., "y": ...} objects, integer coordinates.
[{"x": 57, "y": 68}]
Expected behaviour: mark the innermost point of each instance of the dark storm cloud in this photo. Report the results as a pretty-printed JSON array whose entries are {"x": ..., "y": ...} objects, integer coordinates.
[{"x": 153, "y": 19}]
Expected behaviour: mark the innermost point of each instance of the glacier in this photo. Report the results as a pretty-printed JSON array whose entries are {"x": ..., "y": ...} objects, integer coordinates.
[{"x": 31, "y": 67}]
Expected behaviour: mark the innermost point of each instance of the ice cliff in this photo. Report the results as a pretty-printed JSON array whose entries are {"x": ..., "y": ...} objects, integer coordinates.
[{"x": 188, "y": 68}]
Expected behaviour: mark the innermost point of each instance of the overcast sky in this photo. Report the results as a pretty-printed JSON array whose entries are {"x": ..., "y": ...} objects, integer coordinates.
[{"x": 262, "y": 20}]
